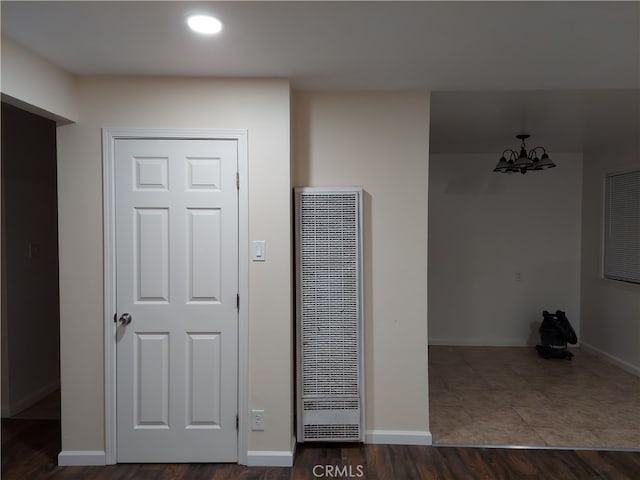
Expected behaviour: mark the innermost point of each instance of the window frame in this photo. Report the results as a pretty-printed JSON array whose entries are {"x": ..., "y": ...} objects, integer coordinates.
[{"x": 634, "y": 278}]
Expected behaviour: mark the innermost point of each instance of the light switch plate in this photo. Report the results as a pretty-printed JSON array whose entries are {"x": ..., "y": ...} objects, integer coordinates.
[
  {"x": 259, "y": 251},
  {"x": 257, "y": 420}
]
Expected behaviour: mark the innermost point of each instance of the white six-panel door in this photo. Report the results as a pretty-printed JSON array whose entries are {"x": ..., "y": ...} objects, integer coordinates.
[{"x": 177, "y": 278}]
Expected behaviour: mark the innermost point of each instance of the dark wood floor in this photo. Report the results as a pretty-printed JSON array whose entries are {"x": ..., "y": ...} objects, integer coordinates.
[{"x": 30, "y": 448}]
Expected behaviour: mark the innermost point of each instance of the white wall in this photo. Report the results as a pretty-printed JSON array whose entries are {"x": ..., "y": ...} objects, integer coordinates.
[
  {"x": 610, "y": 309},
  {"x": 484, "y": 229},
  {"x": 380, "y": 141},
  {"x": 31, "y": 82},
  {"x": 261, "y": 107}
]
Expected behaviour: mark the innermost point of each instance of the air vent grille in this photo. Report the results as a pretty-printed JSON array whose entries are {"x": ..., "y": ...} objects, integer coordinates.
[
  {"x": 332, "y": 432},
  {"x": 329, "y": 311},
  {"x": 311, "y": 405}
]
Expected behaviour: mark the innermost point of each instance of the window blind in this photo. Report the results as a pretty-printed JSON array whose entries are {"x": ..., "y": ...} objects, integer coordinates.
[{"x": 622, "y": 227}]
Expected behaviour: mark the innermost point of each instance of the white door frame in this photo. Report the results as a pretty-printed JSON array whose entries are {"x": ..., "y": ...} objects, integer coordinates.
[{"x": 109, "y": 137}]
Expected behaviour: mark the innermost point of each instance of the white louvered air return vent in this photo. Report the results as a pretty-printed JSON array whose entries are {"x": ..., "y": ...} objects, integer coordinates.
[{"x": 329, "y": 314}]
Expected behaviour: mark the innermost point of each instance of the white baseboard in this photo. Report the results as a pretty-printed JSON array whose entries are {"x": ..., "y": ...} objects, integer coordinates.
[
  {"x": 81, "y": 457},
  {"x": 633, "y": 369},
  {"x": 398, "y": 437},
  {"x": 30, "y": 399},
  {"x": 278, "y": 458}
]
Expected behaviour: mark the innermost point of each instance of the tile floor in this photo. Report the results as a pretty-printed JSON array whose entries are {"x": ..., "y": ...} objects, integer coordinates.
[{"x": 511, "y": 396}]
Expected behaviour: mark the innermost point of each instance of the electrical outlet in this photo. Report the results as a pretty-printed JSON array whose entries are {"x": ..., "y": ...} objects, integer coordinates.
[{"x": 257, "y": 420}]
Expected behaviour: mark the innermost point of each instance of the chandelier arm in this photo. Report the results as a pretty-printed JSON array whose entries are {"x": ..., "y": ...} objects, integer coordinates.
[{"x": 512, "y": 153}]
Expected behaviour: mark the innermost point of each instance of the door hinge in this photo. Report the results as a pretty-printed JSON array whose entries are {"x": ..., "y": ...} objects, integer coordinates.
[
  {"x": 238, "y": 301},
  {"x": 238, "y": 180},
  {"x": 115, "y": 317},
  {"x": 237, "y": 422}
]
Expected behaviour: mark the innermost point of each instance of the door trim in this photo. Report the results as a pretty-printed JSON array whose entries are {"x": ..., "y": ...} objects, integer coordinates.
[{"x": 109, "y": 137}]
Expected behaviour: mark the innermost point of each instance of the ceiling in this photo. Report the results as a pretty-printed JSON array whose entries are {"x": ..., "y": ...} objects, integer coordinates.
[
  {"x": 560, "y": 120},
  {"x": 494, "y": 67}
]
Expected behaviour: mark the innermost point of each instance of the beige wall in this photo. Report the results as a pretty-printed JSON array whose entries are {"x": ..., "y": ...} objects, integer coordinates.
[
  {"x": 261, "y": 107},
  {"x": 30, "y": 82},
  {"x": 485, "y": 230},
  {"x": 610, "y": 309},
  {"x": 380, "y": 141}
]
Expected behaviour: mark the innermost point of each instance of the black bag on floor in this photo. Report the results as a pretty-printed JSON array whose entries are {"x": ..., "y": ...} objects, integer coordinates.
[{"x": 555, "y": 333}]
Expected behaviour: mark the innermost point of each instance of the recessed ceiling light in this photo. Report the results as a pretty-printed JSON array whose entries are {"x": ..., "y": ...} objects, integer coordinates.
[{"x": 204, "y": 24}]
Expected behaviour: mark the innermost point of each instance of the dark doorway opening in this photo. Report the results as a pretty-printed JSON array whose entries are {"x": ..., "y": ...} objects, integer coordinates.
[{"x": 30, "y": 288}]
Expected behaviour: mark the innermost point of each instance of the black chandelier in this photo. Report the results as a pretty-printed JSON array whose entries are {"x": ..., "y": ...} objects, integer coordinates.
[{"x": 524, "y": 161}]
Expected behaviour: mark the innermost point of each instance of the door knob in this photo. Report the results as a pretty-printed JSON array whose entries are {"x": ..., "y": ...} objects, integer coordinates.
[{"x": 125, "y": 319}]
